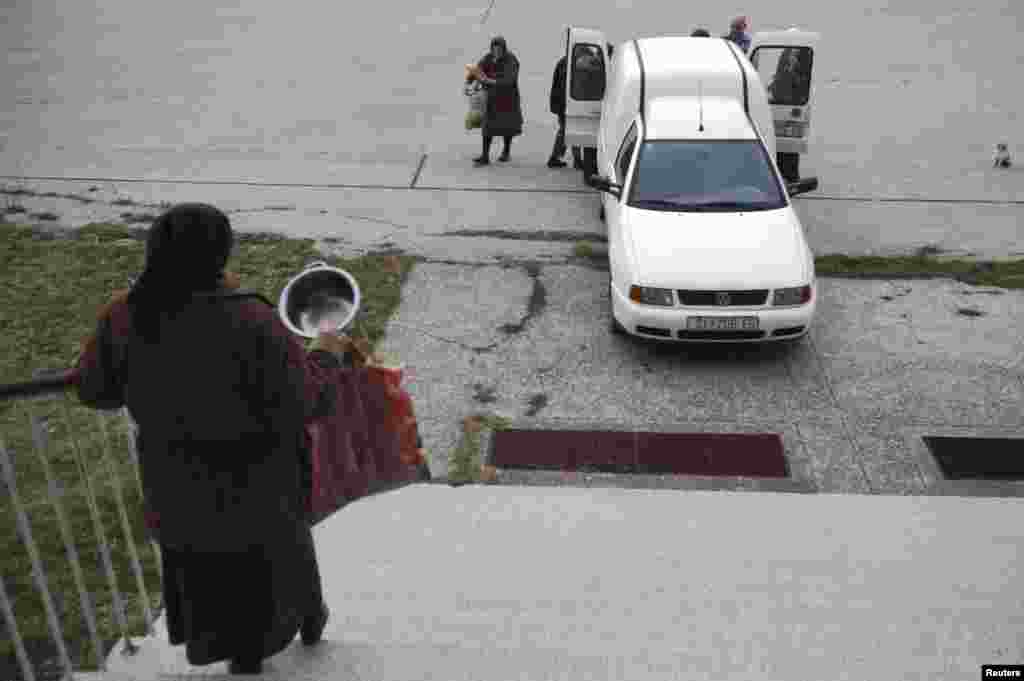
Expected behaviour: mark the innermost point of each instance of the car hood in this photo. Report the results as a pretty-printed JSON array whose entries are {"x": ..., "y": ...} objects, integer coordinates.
[{"x": 759, "y": 249}]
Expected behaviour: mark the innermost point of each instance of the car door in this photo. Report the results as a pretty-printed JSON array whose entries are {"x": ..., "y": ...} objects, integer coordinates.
[
  {"x": 785, "y": 62},
  {"x": 586, "y": 81},
  {"x": 615, "y": 206}
]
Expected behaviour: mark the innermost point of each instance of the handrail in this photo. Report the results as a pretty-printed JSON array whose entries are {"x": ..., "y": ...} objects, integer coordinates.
[
  {"x": 55, "y": 383},
  {"x": 96, "y": 454}
]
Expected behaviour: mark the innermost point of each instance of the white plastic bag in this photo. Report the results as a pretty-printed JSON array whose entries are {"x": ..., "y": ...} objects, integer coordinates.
[{"x": 477, "y": 96}]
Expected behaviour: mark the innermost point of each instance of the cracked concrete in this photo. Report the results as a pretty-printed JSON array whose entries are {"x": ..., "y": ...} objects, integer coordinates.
[{"x": 846, "y": 396}]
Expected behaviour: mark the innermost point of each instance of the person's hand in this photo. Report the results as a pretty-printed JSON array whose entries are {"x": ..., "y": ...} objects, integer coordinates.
[
  {"x": 115, "y": 299},
  {"x": 231, "y": 280}
]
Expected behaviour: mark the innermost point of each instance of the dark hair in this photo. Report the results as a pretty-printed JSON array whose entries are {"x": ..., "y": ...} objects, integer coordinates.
[
  {"x": 700, "y": 33},
  {"x": 498, "y": 40},
  {"x": 186, "y": 251}
]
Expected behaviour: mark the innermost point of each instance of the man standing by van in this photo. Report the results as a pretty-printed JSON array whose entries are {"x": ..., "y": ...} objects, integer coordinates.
[
  {"x": 738, "y": 33},
  {"x": 557, "y": 102}
]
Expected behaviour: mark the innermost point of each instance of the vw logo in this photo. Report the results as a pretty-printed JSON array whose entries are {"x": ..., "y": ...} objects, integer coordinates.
[{"x": 722, "y": 299}]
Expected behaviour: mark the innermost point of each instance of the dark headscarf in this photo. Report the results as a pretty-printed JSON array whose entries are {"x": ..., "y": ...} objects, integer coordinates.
[
  {"x": 186, "y": 251},
  {"x": 498, "y": 40}
]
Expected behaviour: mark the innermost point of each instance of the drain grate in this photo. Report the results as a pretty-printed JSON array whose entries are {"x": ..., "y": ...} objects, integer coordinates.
[
  {"x": 759, "y": 455},
  {"x": 978, "y": 458}
]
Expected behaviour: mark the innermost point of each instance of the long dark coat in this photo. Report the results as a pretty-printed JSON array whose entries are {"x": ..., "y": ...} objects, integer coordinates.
[
  {"x": 504, "y": 113},
  {"x": 557, "y": 97},
  {"x": 221, "y": 403}
]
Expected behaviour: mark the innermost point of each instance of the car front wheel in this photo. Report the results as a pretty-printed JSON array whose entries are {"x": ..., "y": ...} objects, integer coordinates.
[{"x": 616, "y": 328}]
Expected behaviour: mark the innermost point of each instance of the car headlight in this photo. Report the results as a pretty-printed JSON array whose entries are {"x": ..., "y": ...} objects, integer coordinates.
[
  {"x": 645, "y": 295},
  {"x": 798, "y": 295}
]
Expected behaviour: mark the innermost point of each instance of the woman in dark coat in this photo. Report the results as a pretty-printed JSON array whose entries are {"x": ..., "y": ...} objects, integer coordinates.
[
  {"x": 221, "y": 392},
  {"x": 503, "y": 116}
]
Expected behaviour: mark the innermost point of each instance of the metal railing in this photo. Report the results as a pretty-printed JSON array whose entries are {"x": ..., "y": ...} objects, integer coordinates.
[{"x": 47, "y": 435}]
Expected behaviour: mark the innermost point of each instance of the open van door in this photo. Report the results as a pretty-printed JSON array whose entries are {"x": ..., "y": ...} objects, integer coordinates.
[
  {"x": 785, "y": 62},
  {"x": 585, "y": 83}
]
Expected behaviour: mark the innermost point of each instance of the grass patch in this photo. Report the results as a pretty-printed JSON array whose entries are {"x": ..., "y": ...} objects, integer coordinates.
[
  {"x": 583, "y": 249},
  {"x": 53, "y": 283},
  {"x": 466, "y": 464},
  {"x": 1008, "y": 274}
]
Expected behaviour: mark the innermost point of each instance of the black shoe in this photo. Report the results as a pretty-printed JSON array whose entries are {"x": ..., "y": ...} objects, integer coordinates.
[
  {"x": 245, "y": 667},
  {"x": 556, "y": 163},
  {"x": 481, "y": 161},
  {"x": 577, "y": 165},
  {"x": 504, "y": 157},
  {"x": 313, "y": 627}
]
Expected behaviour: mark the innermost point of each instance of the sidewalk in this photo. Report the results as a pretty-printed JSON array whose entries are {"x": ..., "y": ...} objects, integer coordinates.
[{"x": 495, "y": 583}]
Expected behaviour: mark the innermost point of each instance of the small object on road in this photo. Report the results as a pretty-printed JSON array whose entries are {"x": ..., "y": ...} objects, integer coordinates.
[{"x": 1002, "y": 156}]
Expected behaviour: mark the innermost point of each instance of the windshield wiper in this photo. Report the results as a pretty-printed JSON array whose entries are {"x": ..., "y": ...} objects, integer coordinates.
[
  {"x": 735, "y": 205},
  {"x": 708, "y": 205},
  {"x": 661, "y": 203}
]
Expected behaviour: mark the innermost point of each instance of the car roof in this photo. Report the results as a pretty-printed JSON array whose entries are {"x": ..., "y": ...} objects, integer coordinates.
[
  {"x": 680, "y": 118},
  {"x": 673, "y": 67}
]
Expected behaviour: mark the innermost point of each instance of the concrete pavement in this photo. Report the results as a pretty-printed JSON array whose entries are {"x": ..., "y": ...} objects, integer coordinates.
[
  {"x": 504, "y": 583},
  {"x": 300, "y": 94}
]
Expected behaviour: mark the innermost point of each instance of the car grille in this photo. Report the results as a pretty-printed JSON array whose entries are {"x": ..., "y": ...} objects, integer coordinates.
[
  {"x": 721, "y": 335},
  {"x": 713, "y": 298}
]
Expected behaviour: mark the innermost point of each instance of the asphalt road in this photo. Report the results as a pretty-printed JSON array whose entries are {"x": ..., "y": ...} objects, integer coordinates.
[{"x": 365, "y": 108}]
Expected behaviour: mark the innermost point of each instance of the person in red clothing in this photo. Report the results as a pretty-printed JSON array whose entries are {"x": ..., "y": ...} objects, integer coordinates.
[{"x": 221, "y": 392}]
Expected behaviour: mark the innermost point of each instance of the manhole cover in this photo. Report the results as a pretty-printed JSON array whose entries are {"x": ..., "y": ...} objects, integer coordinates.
[
  {"x": 978, "y": 458},
  {"x": 758, "y": 455}
]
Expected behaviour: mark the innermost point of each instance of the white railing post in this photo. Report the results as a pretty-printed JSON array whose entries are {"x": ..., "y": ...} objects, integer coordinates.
[
  {"x": 101, "y": 535},
  {"x": 126, "y": 526},
  {"x": 12, "y": 626},
  {"x": 56, "y": 494},
  {"x": 25, "y": 529}
]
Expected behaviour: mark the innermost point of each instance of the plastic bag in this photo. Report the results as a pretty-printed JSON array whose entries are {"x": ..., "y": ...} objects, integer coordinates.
[{"x": 477, "y": 96}]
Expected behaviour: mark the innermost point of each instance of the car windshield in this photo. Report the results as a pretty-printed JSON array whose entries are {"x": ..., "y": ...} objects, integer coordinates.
[{"x": 720, "y": 175}]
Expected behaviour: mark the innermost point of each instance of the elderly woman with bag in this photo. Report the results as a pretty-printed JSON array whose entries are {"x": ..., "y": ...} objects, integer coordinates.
[
  {"x": 498, "y": 72},
  {"x": 221, "y": 392}
]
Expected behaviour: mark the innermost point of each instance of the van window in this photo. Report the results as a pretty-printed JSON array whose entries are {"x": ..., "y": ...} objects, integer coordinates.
[
  {"x": 588, "y": 75},
  {"x": 786, "y": 73},
  {"x": 718, "y": 175},
  {"x": 626, "y": 153}
]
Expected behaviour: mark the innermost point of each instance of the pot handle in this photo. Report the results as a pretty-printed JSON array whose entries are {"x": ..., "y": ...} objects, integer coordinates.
[{"x": 315, "y": 263}]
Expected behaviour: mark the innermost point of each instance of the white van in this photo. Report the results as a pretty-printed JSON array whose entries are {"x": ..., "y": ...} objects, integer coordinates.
[{"x": 704, "y": 244}]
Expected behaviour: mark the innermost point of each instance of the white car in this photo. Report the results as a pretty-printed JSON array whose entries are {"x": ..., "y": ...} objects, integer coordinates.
[{"x": 704, "y": 244}]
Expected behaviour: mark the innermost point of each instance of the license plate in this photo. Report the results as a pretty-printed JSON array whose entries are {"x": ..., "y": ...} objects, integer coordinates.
[{"x": 721, "y": 323}]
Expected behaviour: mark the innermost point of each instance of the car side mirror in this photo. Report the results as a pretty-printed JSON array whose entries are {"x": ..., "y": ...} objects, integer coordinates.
[
  {"x": 807, "y": 184},
  {"x": 605, "y": 185}
]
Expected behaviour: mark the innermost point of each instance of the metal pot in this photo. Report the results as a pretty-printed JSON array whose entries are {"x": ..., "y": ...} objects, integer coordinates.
[{"x": 320, "y": 297}]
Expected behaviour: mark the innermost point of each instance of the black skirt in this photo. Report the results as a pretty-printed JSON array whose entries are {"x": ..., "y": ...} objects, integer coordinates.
[{"x": 248, "y": 606}]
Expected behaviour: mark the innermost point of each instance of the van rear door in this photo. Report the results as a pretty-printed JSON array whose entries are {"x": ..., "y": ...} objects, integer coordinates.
[
  {"x": 586, "y": 81},
  {"x": 785, "y": 62}
]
